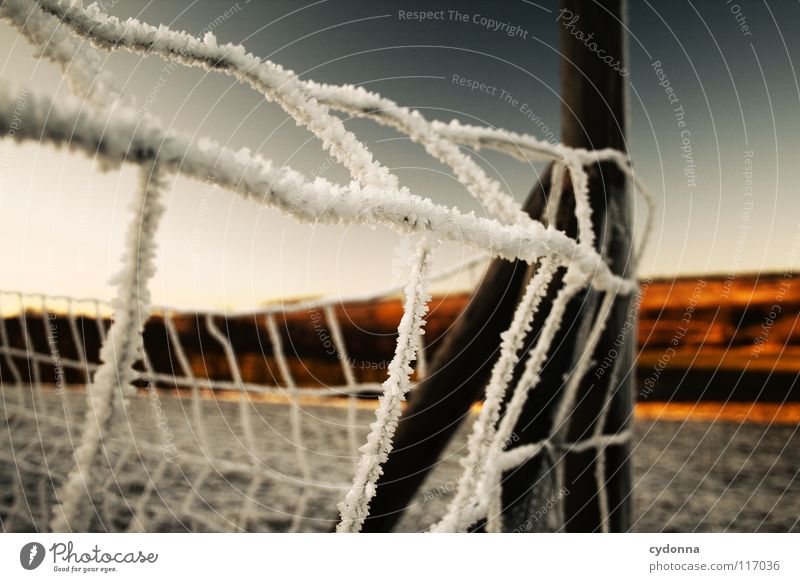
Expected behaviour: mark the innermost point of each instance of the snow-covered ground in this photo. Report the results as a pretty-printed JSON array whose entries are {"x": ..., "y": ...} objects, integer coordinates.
[{"x": 688, "y": 476}]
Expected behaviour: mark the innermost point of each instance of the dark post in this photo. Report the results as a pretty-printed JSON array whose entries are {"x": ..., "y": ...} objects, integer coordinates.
[
  {"x": 593, "y": 94},
  {"x": 594, "y": 116},
  {"x": 593, "y": 91}
]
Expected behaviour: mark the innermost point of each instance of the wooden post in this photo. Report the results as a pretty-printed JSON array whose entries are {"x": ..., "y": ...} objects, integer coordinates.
[
  {"x": 593, "y": 88},
  {"x": 592, "y": 117}
]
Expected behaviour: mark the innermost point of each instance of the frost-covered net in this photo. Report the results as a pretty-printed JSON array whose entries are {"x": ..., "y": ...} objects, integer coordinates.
[{"x": 80, "y": 461}]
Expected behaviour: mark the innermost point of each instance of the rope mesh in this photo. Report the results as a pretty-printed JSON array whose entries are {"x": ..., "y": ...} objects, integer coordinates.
[{"x": 156, "y": 462}]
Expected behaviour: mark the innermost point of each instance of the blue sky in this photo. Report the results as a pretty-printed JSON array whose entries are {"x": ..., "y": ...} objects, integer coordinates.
[{"x": 729, "y": 67}]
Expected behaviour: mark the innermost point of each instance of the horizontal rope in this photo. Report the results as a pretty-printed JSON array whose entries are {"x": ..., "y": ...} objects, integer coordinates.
[{"x": 118, "y": 139}]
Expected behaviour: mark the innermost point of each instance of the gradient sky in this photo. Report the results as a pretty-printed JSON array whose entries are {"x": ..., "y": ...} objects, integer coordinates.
[{"x": 62, "y": 221}]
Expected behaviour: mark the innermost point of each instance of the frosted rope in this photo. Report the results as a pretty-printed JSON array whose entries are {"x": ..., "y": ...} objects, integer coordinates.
[
  {"x": 15, "y": 373},
  {"x": 489, "y": 443},
  {"x": 78, "y": 340},
  {"x": 560, "y": 423},
  {"x": 486, "y": 481},
  {"x": 282, "y": 85},
  {"x": 295, "y": 420},
  {"x": 186, "y": 366},
  {"x": 276, "y": 83},
  {"x": 113, "y": 135},
  {"x": 502, "y": 372},
  {"x": 565, "y": 405},
  {"x": 79, "y": 62},
  {"x": 285, "y": 88},
  {"x": 35, "y": 370},
  {"x": 355, "y": 506},
  {"x": 526, "y": 148},
  {"x": 320, "y": 202},
  {"x": 556, "y": 191},
  {"x": 118, "y": 353},
  {"x": 285, "y": 189},
  {"x": 600, "y": 461},
  {"x": 139, "y": 520},
  {"x": 360, "y": 102},
  {"x": 350, "y": 380},
  {"x": 306, "y": 102},
  {"x": 244, "y": 410}
]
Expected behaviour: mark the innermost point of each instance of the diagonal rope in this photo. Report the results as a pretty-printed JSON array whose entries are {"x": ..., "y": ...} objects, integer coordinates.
[
  {"x": 118, "y": 354},
  {"x": 355, "y": 506}
]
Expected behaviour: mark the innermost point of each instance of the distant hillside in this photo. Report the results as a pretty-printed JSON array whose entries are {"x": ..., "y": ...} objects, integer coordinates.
[
  {"x": 702, "y": 337},
  {"x": 736, "y": 338}
]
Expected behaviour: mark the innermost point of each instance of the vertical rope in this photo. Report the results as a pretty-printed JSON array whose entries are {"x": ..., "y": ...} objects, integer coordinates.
[
  {"x": 244, "y": 411},
  {"x": 355, "y": 506},
  {"x": 597, "y": 433},
  {"x": 108, "y": 496},
  {"x": 580, "y": 190},
  {"x": 100, "y": 321},
  {"x": 33, "y": 362},
  {"x": 561, "y": 422},
  {"x": 35, "y": 446},
  {"x": 19, "y": 490},
  {"x": 482, "y": 475},
  {"x": 295, "y": 419},
  {"x": 139, "y": 520},
  {"x": 51, "y": 337},
  {"x": 349, "y": 378},
  {"x": 556, "y": 191},
  {"x": 78, "y": 339},
  {"x": 186, "y": 367},
  {"x": 12, "y": 365},
  {"x": 197, "y": 426},
  {"x": 244, "y": 405},
  {"x": 118, "y": 353}
]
